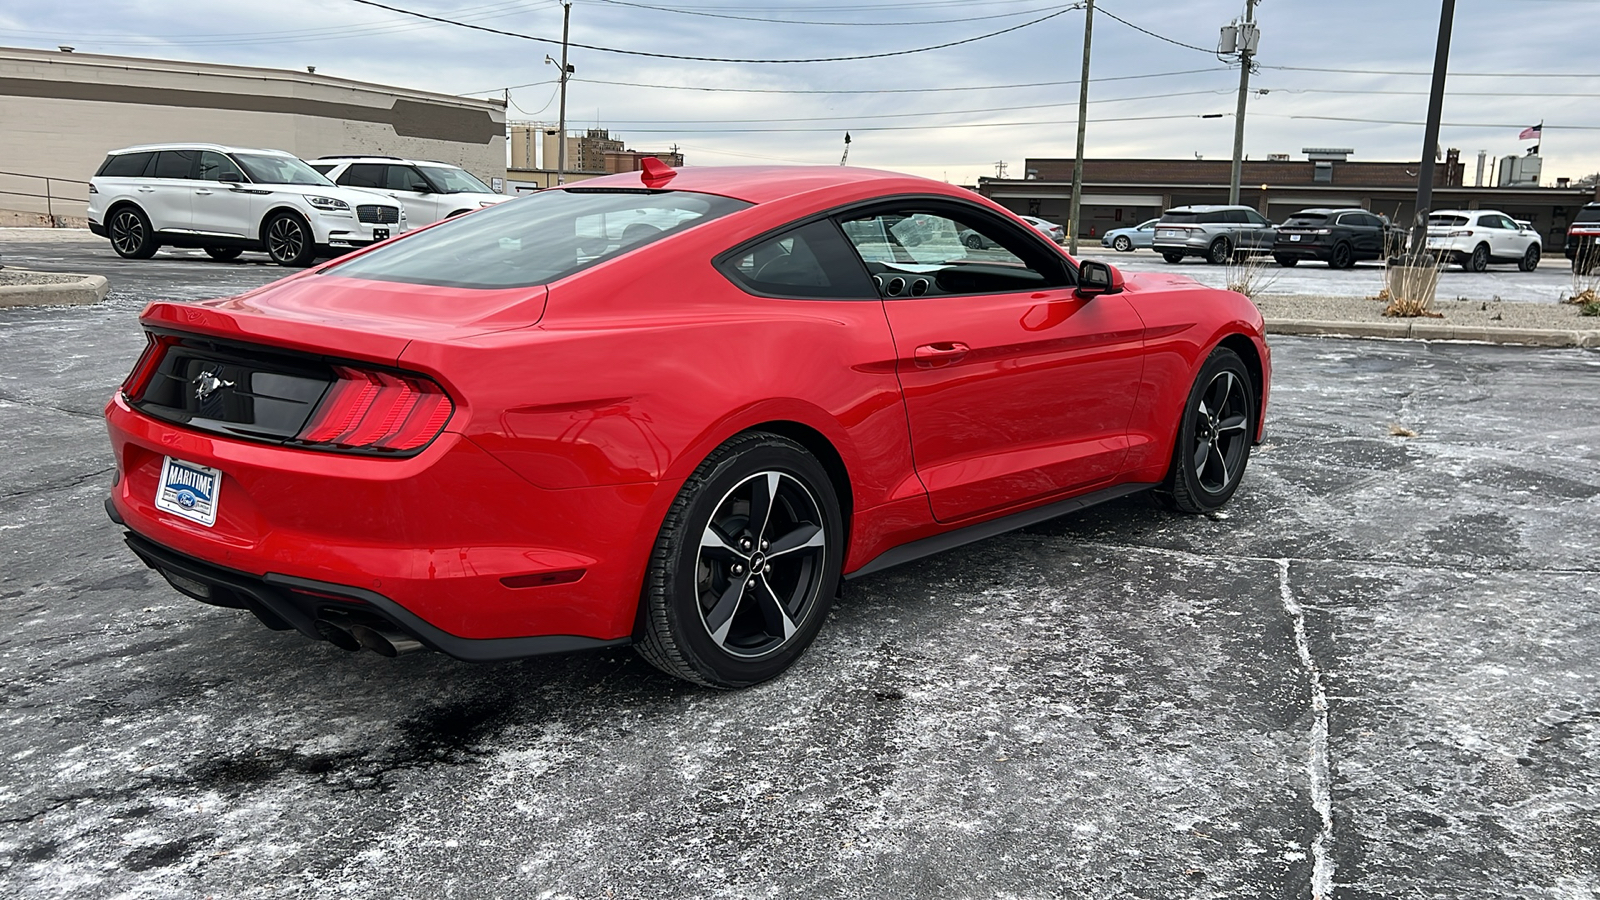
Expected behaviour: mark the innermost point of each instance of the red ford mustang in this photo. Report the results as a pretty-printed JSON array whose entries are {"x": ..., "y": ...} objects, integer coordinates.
[{"x": 671, "y": 409}]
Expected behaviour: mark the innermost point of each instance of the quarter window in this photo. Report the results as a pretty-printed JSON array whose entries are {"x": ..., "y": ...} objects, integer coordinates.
[
  {"x": 810, "y": 261},
  {"x": 126, "y": 165}
]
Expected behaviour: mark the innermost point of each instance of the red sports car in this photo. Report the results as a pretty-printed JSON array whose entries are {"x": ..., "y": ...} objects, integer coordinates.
[{"x": 671, "y": 409}]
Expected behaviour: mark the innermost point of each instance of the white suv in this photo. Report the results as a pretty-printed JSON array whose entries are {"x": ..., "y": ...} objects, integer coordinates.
[
  {"x": 227, "y": 200},
  {"x": 1473, "y": 238},
  {"x": 430, "y": 190}
]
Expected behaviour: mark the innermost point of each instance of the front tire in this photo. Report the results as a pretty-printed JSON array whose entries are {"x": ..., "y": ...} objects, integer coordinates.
[
  {"x": 1122, "y": 244},
  {"x": 289, "y": 240},
  {"x": 1214, "y": 437},
  {"x": 1530, "y": 259},
  {"x": 131, "y": 234},
  {"x": 745, "y": 566}
]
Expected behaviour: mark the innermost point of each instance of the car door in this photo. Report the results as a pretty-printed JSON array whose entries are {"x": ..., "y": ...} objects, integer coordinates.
[
  {"x": 220, "y": 204},
  {"x": 168, "y": 197},
  {"x": 1368, "y": 231},
  {"x": 1495, "y": 235},
  {"x": 422, "y": 207},
  {"x": 1260, "y": 230},
  {"x": 1015, "y": 389},
  {"x": 1145, "y": 234}
]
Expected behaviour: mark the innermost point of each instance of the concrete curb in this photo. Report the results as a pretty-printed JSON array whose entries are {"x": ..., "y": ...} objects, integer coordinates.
[
  {"x": 85, "y": 290},
  {"x": 1434, "y": 330}
]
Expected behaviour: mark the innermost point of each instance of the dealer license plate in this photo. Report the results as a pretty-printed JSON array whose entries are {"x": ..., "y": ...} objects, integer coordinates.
[
  {"x": 1171, "y": 233},
  {"x": 189, "y": 490},
  {"x": 380, "y": 234},
  {"x": 1294, "y": 237}
]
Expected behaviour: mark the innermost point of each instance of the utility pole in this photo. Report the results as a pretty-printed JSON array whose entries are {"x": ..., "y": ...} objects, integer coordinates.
[
  {"x": 846, "y": 157},
  {"x": 1083, "y": 125},
  {"x": 1430, "y": 137},
  {"x": 566, "y": 71},
  {"x": 1247, "y": 51}
]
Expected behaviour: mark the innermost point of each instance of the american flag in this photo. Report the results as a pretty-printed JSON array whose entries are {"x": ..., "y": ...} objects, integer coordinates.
[{"x": 1531, "y": 134}]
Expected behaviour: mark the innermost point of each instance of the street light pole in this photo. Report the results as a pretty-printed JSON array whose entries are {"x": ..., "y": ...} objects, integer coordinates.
[
  {"x": 1430, "y": 137},
  {"x": 1246, "y": 53},
  {"x": 561, "y": 128},
  {"x": 1083, "y": 125}
]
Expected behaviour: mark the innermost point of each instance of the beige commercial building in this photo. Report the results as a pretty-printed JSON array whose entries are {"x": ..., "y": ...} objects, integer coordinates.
[{"x": 61, "y": 112}]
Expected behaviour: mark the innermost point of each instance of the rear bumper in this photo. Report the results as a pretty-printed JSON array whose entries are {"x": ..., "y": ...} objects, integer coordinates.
[
  {"x": 95, "y": 228},
  {"x": 1303, "y": 251},
  {"x": 434, "y": 536}
]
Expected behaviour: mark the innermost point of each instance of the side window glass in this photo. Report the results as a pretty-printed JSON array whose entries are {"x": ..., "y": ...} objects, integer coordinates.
[
  {"x": 127, "y": 165},
  {"x": 1255, "y": 218},
  {"x": 363, "y": 175},
  {"x": 809, "y": 261},
  {"x": 912, "y": 253},
  {"x": 403, "y": 178},
  {"x": 216, "y": 167},
  {"x": 1215, "y": 217},
  {"x": 174, "y": 163},
  {"x": 1235, "y": 217}
]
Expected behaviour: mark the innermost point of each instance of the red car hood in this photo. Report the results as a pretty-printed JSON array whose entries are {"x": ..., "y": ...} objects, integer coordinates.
[{"x": 350, "y": 317}]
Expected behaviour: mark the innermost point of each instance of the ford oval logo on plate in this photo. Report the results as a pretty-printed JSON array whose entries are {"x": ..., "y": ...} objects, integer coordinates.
[{"x": 189, "y": 490}]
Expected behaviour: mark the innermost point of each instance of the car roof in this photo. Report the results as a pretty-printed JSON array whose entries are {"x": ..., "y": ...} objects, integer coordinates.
[
  {"x": 197, "y": 145},
  {"x": 764, "y": 184},
  {"x": 339, "y": 158},
  {"x": 1465, "y": 212},
  {"x": 1209, "y": 207},
  {"x": 1331, "y": 210}
]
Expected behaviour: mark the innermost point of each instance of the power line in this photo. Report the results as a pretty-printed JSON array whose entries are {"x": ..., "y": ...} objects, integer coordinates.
[
  {"x": 831, "y": 129},
  {"x": 529, "y": 37},
  {"x": 1430, "y": 74},
  {"x": 712, "y": 15},
  {"x": 1547, "y": 125},
  {"x": 1160, "y": 37}
]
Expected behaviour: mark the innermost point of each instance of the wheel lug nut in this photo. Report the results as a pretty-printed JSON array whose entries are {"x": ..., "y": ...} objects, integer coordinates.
[
  {"x": 766, "y": 569},
  {"x": 763, "y": 545},
  {"x": 738, "y": 569}
]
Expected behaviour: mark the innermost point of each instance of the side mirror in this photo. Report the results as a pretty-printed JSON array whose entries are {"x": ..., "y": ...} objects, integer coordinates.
[
  {"x": 1096, "y": 278},
  {"x": 230, "y": 178},
  {"x": 421, "y": 187}
]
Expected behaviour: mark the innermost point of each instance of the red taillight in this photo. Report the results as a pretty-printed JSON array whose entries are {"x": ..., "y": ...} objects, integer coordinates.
[
  {"x": 149, "y": 362},
  {"x": 366, "y": 410}
]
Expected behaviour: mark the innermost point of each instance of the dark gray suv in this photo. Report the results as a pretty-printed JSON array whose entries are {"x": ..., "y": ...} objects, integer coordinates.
[{"x": 1216, "y": 234}]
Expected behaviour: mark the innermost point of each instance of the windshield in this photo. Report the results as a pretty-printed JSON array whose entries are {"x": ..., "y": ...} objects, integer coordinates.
[
  {"x": 536, "y": 239},
  {"x": 451, "y": 180},
  {"x": 264, "y": 169}
]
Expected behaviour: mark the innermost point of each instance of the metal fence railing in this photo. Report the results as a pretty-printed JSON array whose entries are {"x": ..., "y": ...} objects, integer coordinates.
[{"x": 52, "y": 192}]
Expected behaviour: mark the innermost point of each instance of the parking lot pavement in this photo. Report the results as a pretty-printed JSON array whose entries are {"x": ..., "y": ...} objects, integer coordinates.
[
  {"x": 1546, "y": 284},
  {"x": 1373, "y": 675}
]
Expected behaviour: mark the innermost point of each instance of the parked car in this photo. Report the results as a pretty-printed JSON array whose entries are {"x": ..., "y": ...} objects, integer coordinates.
[
  {"x": 430, "y": 191},
  {"x": 1583, "y": 239},
  {"x": 1125, "y": 239},
  {"x": 1474, "y": 238},
  {"x": 1338, "y": 237},
  {"x": 1216, "y": 234},
  {"x": 806, "y": 377},
  {"x": 1049, "y": 229},
  {"x": 226, "y": 200}
]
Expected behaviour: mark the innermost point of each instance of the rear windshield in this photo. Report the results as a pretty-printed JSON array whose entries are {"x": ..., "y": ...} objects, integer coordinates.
[
  {"x": 1178, "y": 218},
  {"x": 536, "y": 239},
  {"x": 1447, "y": 220},
  {"x": 1306, "y": 220},
  {"x": 1588, "y": 214}
]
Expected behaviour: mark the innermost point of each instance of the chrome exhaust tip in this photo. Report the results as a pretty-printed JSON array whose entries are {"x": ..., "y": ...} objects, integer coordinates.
[{"x": 384, "y": 642}]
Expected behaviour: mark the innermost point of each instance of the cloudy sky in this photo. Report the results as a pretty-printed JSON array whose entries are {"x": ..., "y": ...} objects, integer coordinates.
[{"x": 1007, "y": 97}]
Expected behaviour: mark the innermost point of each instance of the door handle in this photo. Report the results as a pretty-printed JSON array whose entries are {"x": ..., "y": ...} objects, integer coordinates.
[
  {"x": 144, "y": 190},
  {"x": 940, "y": 354},
  {"x": 201, "y": 191}
]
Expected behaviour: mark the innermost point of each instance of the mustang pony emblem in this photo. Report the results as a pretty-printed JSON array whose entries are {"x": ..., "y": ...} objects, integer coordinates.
[{"x": 207, "y": 383}]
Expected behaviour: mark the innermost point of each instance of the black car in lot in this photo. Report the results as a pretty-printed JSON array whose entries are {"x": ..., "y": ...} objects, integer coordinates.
[
  {"x": 1338, "y": 237},
  {"x": 1583, "y": 239}
]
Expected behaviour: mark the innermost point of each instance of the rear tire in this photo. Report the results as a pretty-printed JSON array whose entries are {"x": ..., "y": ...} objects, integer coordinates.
[
  {"x": 1172, "y": 258},
  {"x": 1342, "y": 257},
  {"x": 289, "y": 240},
  {"x": 131, "y": 234},
  {"x": 729, "y": 602},
  {"x": 1214, "y": 437},
  {"x": 223, "y": 254},
  {"x": 1530, "y": 259},
  {"x": 1288, "y": 262},
  {"x": 1220, "y": 252},
  {"x": 1478, "y": 261}
]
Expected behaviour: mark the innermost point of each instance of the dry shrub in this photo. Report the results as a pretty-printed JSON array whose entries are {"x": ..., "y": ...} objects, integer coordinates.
[
  {"x": 1249, "y": 274},
  {"x": 1586, "y": 281},
  {"x": 1398, "y": 430},
  {"x": 1410, "y": 288}
]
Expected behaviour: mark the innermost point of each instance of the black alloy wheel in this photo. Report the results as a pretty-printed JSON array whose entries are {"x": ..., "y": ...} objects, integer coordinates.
[
  {"x": 1122, "y": 244},
  {"x": 223, "y": 254},
  {"x": 1479, "y": 260},
  {"x": 745, "y": 567},
  {"x": 131, "y": 235},
  {"x": 1343, "y": 257},
  {"x": 288, "y": 240},
  {"x": 1288, "y": 262},
  {"x": 973, "y": 240},
  {"x": 1214, "y": 437},
  {"x": 1530, "y": 259},
  {"x": 1172, "y": 258},
  {"x": 1221, "y": 251}
]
